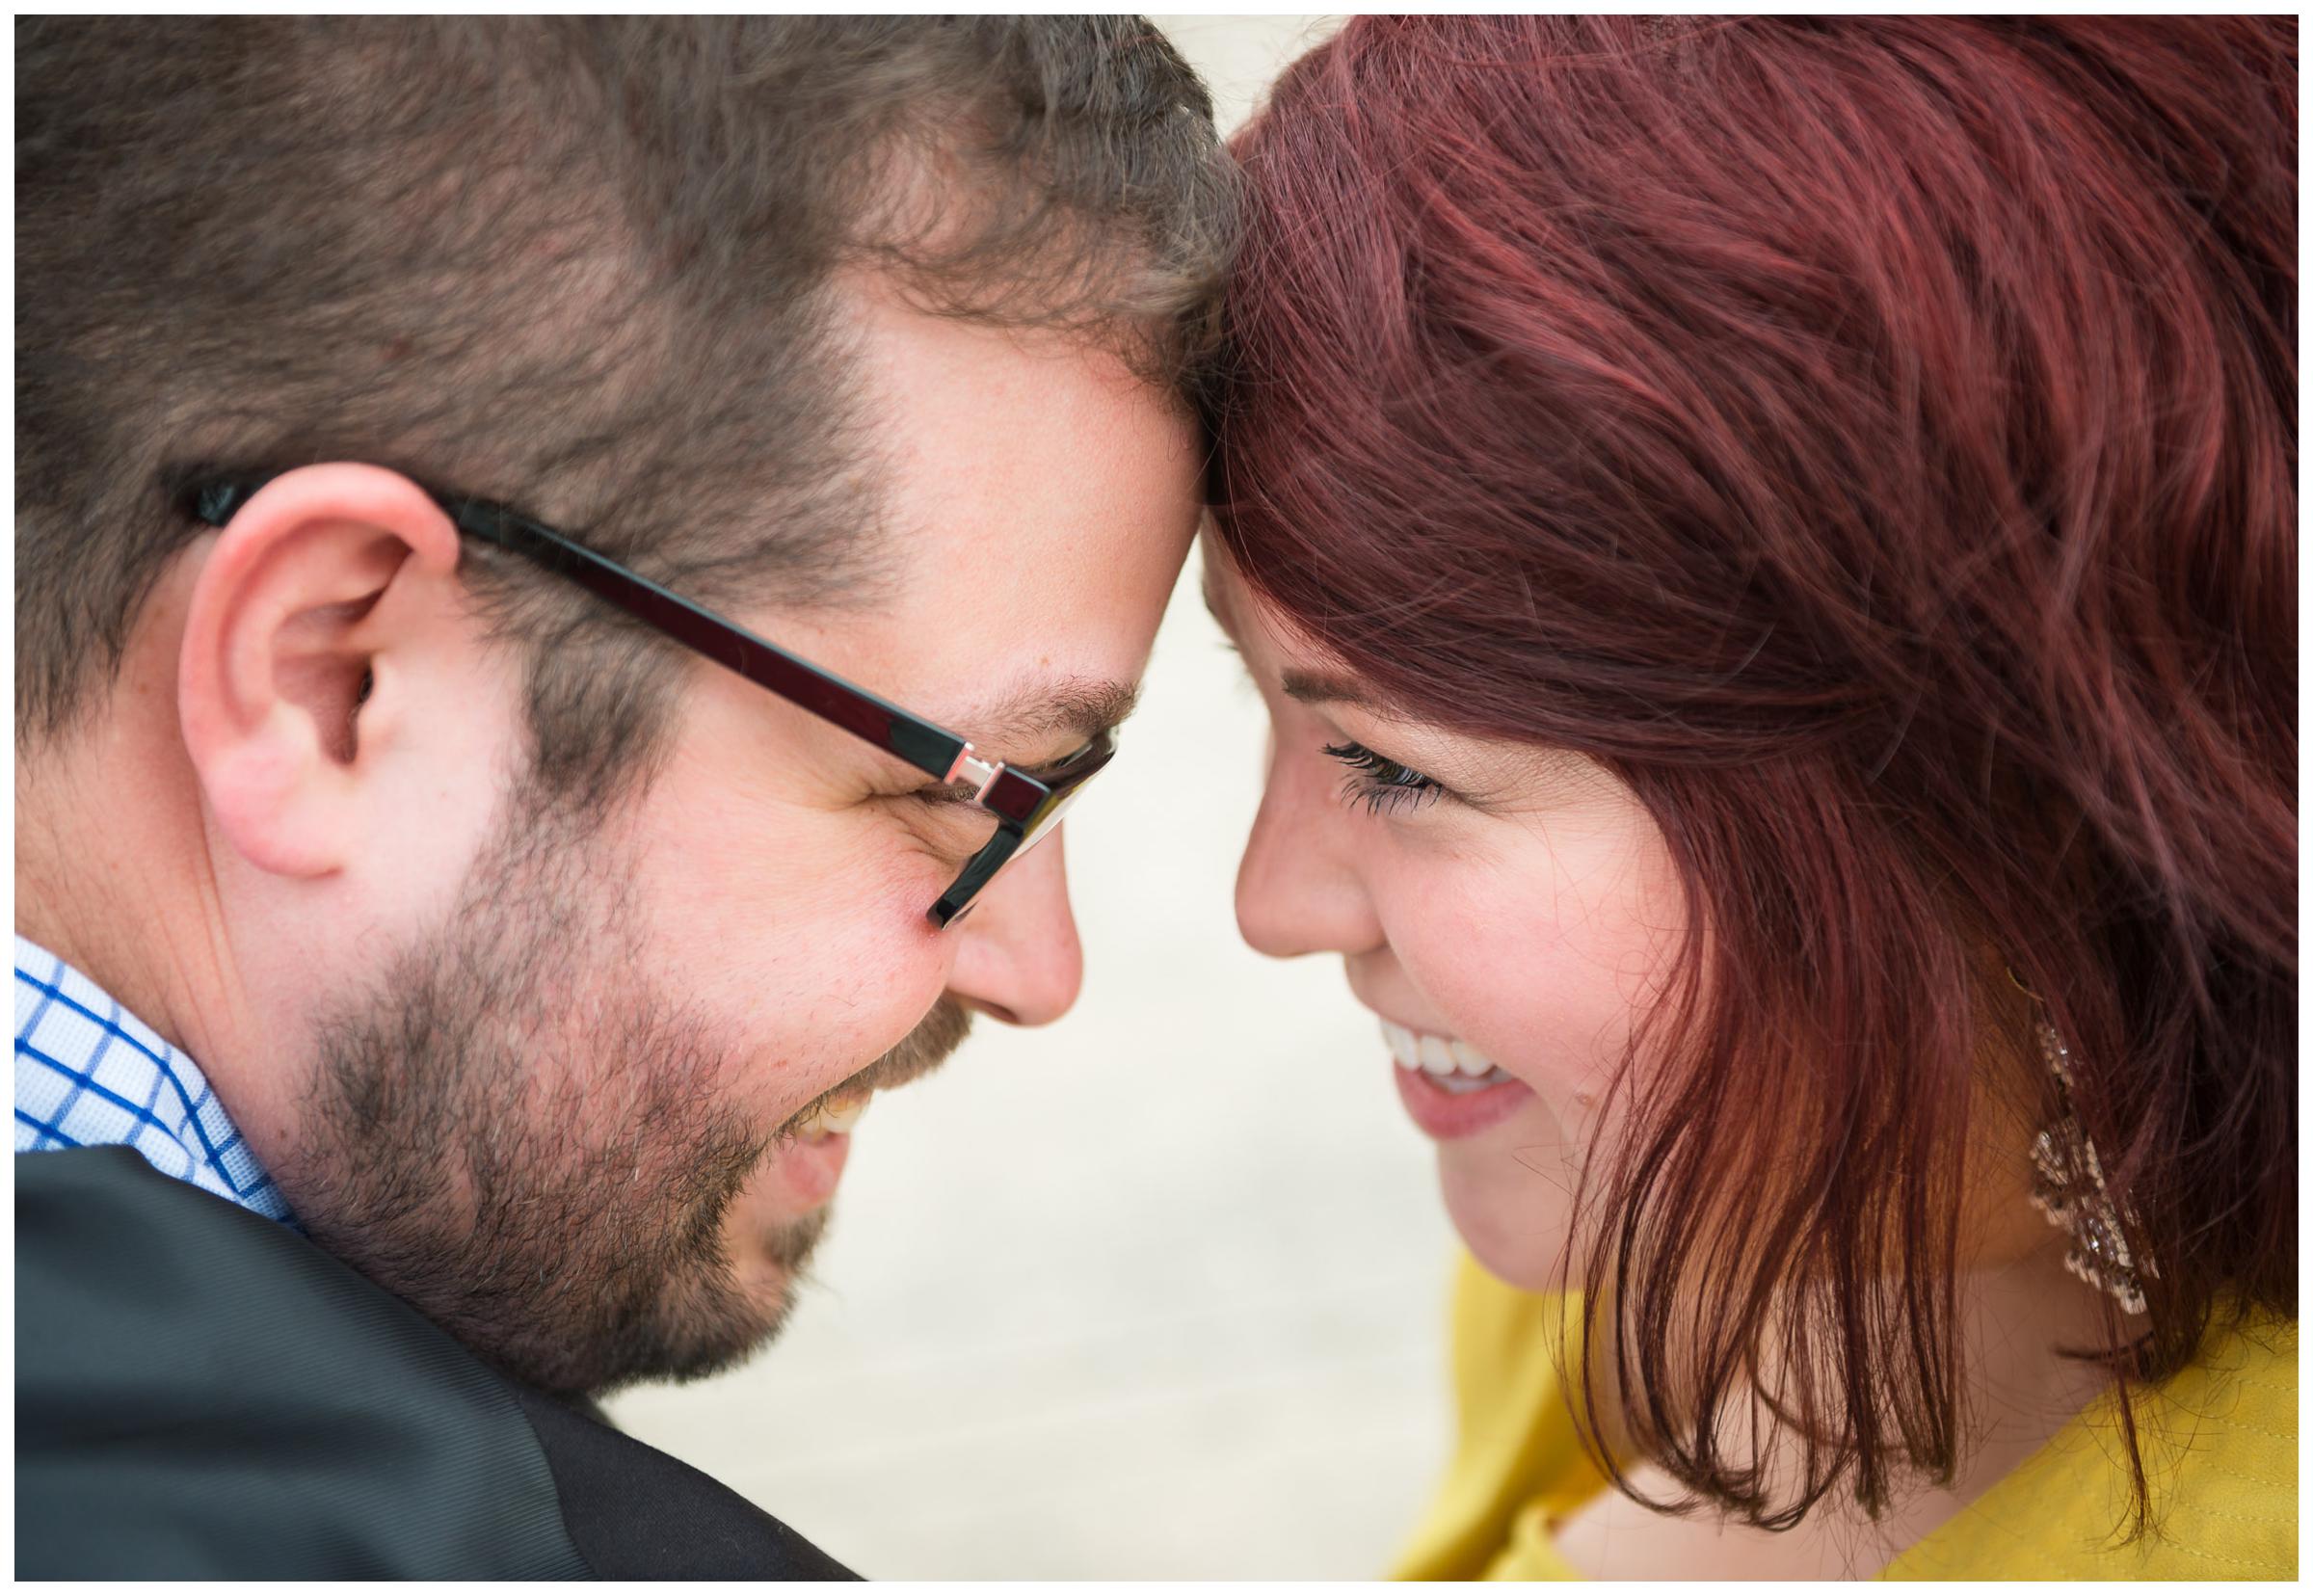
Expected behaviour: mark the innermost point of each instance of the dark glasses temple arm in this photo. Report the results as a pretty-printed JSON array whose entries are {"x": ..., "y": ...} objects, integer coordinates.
[
  {"x": 857, "y": 711},
  {"x": 927, "y": 747}
]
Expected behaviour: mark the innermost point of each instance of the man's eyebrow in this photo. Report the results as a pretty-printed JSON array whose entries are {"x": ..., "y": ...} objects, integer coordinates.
[{"x": 1031, "y": 719}]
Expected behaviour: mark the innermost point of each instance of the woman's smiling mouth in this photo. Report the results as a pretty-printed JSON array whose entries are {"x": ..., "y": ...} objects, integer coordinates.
[{"x": 1449, "y": 1088}]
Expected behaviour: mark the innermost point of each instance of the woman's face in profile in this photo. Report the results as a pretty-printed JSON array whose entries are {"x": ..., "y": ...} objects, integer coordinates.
[{"x": 1507, "y": 913}]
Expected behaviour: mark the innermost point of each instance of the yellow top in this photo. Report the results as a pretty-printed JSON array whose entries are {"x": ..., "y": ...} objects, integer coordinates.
[{"x": 2219, "y": 1443}]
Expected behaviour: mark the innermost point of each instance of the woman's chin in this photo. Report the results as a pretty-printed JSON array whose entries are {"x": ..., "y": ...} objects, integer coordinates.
[{"x": 1513, "y": 1219}]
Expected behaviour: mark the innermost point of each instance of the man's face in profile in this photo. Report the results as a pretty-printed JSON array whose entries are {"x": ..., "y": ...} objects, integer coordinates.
[{"x": 575, "y": 1122}]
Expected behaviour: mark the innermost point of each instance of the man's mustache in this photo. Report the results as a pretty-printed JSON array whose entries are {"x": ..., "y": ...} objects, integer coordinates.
[{"x": 917, "y": 1054}]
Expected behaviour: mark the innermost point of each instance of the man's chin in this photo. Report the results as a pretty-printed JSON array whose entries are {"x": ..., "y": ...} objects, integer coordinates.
[
  {"x": 772, "y": 1271},
  {"x": 777, "y": 1220},
  {"x": 705, "y": 1325}
]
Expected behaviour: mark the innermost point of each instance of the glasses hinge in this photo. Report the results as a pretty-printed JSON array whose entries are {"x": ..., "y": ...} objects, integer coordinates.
[{"x": 970, "y": 767}]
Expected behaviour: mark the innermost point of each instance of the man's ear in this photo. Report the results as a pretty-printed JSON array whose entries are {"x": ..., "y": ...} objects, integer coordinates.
[{"x": 287, "y": 654}]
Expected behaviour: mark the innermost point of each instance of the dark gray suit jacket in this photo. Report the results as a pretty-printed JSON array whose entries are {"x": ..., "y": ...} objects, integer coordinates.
[{"x": 203, "y": 1393}]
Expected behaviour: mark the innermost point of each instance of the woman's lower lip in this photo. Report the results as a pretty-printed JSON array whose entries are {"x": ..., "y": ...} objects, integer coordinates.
[{"x": 1450, "y": 1116}]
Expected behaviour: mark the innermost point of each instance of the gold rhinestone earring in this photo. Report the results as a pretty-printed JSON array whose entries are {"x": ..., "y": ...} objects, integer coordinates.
[{"x": 2068, "y": 1187}]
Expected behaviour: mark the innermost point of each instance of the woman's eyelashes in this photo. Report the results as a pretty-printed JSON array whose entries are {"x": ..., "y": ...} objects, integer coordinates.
[{"x": 1380, "y": 782}]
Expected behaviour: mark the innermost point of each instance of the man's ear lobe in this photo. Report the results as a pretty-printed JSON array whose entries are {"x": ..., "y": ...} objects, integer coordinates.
[{"x": 283, "y": 652}]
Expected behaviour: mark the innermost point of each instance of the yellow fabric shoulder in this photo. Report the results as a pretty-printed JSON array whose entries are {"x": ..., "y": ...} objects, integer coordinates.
[{"x": 2220, "y": 1444}]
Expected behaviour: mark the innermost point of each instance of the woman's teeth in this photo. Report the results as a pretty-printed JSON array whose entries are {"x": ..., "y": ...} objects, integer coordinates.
[
  {"x": 834, "y": 1117},
  {"x": 1455, "y": 1066}
]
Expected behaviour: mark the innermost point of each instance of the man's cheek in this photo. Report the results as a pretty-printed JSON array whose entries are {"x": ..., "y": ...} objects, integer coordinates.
[{"x": 802, "y": 1051}]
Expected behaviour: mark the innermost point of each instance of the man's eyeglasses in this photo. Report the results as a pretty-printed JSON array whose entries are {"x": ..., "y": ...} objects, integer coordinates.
[{"x": 1027, "y": 809}]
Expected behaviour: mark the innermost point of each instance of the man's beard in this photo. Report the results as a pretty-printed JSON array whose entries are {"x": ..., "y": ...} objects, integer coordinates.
[{"x": 529, "y": 1140}]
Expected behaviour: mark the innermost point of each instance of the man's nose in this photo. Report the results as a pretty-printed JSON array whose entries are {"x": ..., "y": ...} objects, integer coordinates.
[
  {"x": 1018, "y": 956},
  {"x": 1298, "y": 887}
]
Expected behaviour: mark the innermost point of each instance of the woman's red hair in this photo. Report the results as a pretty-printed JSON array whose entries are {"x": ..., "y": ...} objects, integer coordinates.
[{"x": 1875, "y": 440}]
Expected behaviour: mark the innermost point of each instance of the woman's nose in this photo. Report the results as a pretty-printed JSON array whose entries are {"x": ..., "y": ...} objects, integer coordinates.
[{"x": 1299, "y": 888}]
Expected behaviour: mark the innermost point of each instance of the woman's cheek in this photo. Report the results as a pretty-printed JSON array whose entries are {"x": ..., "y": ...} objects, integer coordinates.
[{"x": 1530, "y": 994}]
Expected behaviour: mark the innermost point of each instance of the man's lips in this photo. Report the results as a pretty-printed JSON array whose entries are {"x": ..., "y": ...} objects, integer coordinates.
[
  {"x": 836, "y": 1114},
  {"x": 805, "y": 1162},
  {"x": 805, "y": 1173}
]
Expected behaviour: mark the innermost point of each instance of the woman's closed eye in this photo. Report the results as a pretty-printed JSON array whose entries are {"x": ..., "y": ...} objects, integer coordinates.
[{"x": 1380, "y": 782}]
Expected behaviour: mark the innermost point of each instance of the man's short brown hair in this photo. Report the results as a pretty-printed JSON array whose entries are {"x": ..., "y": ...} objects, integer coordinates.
[{"x": 582, "y": 266}]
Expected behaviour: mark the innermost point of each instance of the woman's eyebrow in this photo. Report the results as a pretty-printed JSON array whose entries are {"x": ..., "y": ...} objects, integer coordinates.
[
  {"x": 1329, "y": 688},
  {"x": 1304, "y": 686}
]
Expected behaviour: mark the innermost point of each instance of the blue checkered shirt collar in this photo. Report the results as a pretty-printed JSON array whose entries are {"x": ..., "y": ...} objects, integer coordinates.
[{"x": 89, "y": 1074}]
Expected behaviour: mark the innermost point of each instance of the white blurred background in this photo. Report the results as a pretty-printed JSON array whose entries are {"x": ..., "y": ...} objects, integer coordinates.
[{"x": 1157, "y": 1291}]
